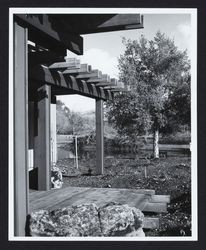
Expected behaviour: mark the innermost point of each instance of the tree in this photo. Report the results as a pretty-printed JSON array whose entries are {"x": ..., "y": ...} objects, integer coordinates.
[
  {"x": 70, "y": 122},
  {"x": 158, "y": 75},
  {"x": 62, "y": 114}
]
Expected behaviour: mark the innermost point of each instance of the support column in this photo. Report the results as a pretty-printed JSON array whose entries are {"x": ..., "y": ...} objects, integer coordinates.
[
  {"x": 31, "y": 135},
  {"x": 99, "y": 137},
  {"x": 42, "y": 148},
  {"x": 53, "y": 130},
  {"x": 20, "y": 129}
]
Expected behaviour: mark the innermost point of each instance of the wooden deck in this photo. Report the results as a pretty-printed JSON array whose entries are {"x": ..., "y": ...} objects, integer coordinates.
[{"x": 143, "y": 199}]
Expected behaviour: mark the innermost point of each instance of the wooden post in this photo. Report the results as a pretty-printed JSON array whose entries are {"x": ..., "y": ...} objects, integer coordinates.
[
  {"x": 99, "y": 137},
  {"x": 76, "y": 152},
  {"x": 31, "y": 134},
  {"x": 53, "y": 131},
  {"x": 42, "y": 159},
  {"x": 20, "y": 130}
]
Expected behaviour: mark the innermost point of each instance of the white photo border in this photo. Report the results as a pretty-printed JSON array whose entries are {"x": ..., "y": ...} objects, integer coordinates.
[{"x": 194, "y": 191}]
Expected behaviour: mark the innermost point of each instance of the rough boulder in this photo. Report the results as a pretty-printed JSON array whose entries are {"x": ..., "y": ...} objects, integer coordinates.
[{"x": 88, "y": 220}]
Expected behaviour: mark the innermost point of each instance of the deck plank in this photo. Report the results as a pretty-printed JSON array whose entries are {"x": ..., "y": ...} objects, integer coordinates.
[
  {"x": 54, "y": 199},
  {"x": 155, "y": 207},
  {"x": 143, "y": 199},
  {"x": 151, "y": 223},
  {"x": 160, "y": 199},
  {"x": 48, "y": 200}
]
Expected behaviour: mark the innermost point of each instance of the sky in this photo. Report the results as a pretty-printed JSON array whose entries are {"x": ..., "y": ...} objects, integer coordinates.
[{"x": 102, "y": 50}]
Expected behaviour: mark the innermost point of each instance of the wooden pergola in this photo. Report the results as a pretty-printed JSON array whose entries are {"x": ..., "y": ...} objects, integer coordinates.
[{"x": 40, "y": 73}]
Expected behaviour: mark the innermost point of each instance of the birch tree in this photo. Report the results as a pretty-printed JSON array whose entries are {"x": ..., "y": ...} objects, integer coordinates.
[{"x": 155, "y": 72}]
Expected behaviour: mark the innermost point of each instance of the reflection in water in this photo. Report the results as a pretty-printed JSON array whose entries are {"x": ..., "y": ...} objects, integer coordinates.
[{"x": 66, "y": 152}]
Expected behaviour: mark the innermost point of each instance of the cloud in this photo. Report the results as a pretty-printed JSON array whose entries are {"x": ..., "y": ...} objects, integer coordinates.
[
  {"x": 184, "y": 36},
  {"x": 78, "y": 103},
  {"x": 184, "y": 29},
  {"x": 101, "y": 60}
]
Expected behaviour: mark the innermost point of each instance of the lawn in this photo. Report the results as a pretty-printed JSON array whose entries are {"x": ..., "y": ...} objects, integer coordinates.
[{"x": 170, "y": 176}]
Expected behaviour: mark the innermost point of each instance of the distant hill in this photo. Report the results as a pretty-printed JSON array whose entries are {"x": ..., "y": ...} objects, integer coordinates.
[{"x": 88, "y": 114}]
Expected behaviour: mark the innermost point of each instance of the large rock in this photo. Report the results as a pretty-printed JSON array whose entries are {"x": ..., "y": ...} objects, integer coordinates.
[
  {"x": 77, "y": 221},
  {"x": 41, "y": 224},
  {"x": 120, "y": 220},
  {"x": 88, "y": 220}
]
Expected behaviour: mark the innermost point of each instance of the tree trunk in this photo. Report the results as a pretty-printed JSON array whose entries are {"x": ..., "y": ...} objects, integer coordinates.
[{"x": 156, "y": 144}]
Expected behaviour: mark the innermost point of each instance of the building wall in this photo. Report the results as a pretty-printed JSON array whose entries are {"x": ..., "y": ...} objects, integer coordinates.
[{"x": 32, "y": 133}]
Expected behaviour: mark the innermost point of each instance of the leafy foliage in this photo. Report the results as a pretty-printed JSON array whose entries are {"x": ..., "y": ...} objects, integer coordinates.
[
  {"x": 158, "y": 75},
  {"x": 69, "y": 122},
  {"x": 62, "y": 116}
]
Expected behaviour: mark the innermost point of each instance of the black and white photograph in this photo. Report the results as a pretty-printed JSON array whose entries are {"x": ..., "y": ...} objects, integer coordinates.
[{"x": 103, "y": 124}]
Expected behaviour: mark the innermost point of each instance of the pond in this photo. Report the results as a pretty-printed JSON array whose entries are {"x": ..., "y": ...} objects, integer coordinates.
[{"x": 66, "y": 151}]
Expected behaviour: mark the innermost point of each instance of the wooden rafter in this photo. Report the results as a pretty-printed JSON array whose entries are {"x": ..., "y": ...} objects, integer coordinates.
[
  {"x": 115, "y": 85},
  {"x": 43, "y": 57},
  {"x": 104, "y": 84},
  {"x": 113, "y": 82},
  {"x": 69, "y": 76},
  {"x": 44, "y": 31},
  {"x": 94, "y": 73},
  {"x": 59, "y": 32},
  {"x": 65, "y": 65},
  {"x": 102, "y": 78},
  {"x": 84, "y": 69},
  {"x": 68, "y": 83},
  {"x": 118, "y": 90}
]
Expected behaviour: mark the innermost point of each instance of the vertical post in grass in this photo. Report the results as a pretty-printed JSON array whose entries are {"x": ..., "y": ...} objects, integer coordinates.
[
  {"x": 145, "y": 171},
  {"x": 76, "y": 152}
]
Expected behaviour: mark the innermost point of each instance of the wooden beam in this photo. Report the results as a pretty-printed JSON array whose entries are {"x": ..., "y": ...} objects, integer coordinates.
[
  {"x": 118, "y": 89},
  {"x": 65, "y": 65},
  {"x": 116, "y": 85},
  {"x": 42, "y": 146},
  {"x": 112, "y": 87},
  {"x": 136, "y": 26},
  {"x": 99, "y": 137},
  {"x": 119, "y": 20},
  {"x": 102, "y": 78},
  {"x": 103, "y": 84},
  {"x": 43, "y": 57},
  {"x": 113, "y": 82},
  {"x": 94, "y": 73},
  {"x": 67, "y": 83},
  {"x": 20, "y": 130},
  {"x": 45, "y": 31},
  {"x": 84, "y": 68}
]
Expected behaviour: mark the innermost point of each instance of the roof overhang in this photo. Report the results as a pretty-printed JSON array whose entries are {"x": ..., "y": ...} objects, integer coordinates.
[{"x": 60, "y": 32}]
